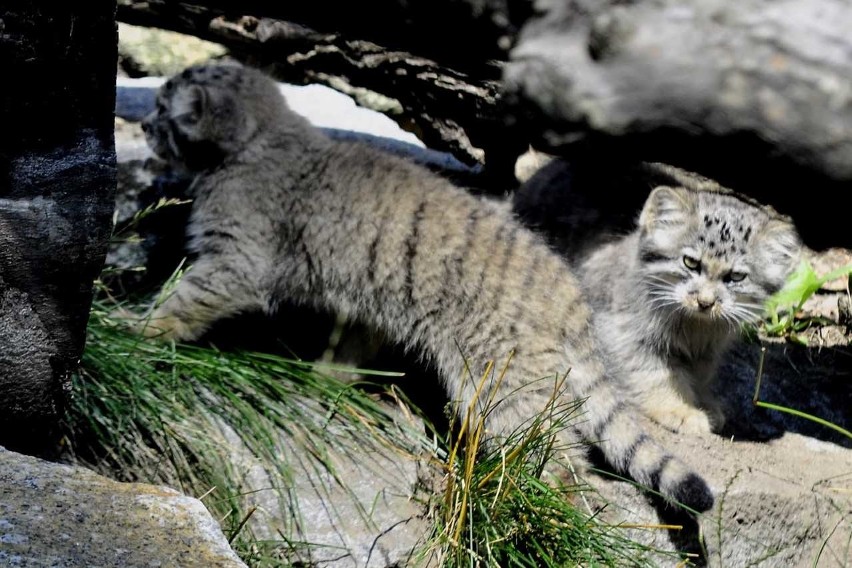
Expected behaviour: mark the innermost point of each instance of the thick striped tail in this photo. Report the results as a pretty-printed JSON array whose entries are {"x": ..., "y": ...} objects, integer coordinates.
[{"x": 631, "y": 450}]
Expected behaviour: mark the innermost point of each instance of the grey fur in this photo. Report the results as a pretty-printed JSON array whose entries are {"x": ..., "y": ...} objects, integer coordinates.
[
  {"x": 281, "y": 211},
  {"x": 666, "y": 325}
]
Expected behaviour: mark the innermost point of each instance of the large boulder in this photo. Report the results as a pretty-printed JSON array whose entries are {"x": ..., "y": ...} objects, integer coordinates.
[
  {"x": 56, "y": 515},
  {"x": 753, "y": 94}
]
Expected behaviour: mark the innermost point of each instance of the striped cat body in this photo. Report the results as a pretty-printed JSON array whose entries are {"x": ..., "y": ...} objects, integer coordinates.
[{"x": 281, "y": 212}]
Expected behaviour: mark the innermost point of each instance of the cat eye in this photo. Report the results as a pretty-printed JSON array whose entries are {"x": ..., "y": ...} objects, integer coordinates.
[
  {"x": 691, "y": 262},
  {"x": 734, "y": 276}
]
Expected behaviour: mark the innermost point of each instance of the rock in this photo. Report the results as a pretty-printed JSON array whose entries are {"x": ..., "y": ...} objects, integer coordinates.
[
  {"x": 782, "y": 482},
  {"x": 829, "y": 260},
  {"x": 360, "y": 504},
  {"x": 56, "y": 515},
  {"x": 651, "y": 81},
  {"x": 529, "y": 163},
  {"x": 781, "y": 504},
  {"x": 58, "y": 168},
  {"x": 844, "y": 309}
]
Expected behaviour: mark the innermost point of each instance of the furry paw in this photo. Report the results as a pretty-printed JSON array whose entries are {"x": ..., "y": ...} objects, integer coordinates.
[
  {"x": 153, "y": 326},
  {"x": 164, "y": 328},
  {"x": 716, "y": 416},
  {"x": 683, "y": 419}
]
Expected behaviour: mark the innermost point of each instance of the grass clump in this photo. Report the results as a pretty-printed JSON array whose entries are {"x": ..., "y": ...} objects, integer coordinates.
[
  {"x": 496, "y": 509},
  {"x": 195, "y": 418}
]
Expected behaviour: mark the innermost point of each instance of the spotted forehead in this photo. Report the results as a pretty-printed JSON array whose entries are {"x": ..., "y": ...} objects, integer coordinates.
[
  {"x": 726, "y": 225},
  {"x": 206, "y": 75}
]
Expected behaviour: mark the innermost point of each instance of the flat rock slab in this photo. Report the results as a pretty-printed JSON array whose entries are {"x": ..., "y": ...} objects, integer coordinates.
[
  {"x": 362, "y": 504},
  {"x": 786, "y": 503},
  {"x": 56, "y": 515},
  {"x": 783, "y": 484}
]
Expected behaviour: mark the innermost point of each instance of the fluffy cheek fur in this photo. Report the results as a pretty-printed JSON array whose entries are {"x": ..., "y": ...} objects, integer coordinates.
[{"x": 676, "y": 292}]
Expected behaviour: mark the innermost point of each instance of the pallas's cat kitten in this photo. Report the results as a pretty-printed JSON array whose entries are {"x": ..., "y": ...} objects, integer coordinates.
[
  {"x": 670, "y": 296},
  {"x": 281, "y": 211}
]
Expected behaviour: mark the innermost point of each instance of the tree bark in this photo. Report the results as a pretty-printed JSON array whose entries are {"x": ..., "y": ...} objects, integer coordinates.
[
  {"x": 439, "y": 63},
  {"x": 56, "y": 198}
]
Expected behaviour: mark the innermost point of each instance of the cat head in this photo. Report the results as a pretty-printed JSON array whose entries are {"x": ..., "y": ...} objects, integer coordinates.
[
  {"x": 208, "y": 112},
  {"x": 711, "y": 255}
]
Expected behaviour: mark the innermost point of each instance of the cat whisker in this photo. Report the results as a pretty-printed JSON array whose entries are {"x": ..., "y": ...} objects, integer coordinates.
[
  {"x": 743, "y": 314},
  {"x": 660, "y": 281},
  {"x": 731, "y": 319}
]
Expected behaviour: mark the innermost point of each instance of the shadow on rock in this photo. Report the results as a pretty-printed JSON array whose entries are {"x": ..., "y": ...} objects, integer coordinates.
[{"x": 812, "y": 380}]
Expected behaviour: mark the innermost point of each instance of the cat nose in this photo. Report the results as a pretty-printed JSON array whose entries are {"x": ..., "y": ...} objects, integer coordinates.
[{"x": 706, "y": 301}]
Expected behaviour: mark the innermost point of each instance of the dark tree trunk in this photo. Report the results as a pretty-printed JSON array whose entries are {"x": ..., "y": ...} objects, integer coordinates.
[{"x": 57, "y": 162}]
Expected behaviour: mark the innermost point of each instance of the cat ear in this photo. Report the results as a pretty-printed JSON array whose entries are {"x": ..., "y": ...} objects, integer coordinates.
[
  {"x": 666, "y": 207},
  {"x": 779, "y": 250},
  {"x": 190, "y": 104}
]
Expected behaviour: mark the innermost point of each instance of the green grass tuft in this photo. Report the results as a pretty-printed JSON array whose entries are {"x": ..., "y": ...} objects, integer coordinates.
[
  {"x": 157, "y": 412},
  {"x": 783, "y": 308},
  {"x": 496, "y": 509}
]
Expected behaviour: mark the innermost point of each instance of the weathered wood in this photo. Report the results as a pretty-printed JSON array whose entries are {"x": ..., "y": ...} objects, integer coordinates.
[
  {"x": 462, "y": 34},
  {"x": 56, "y": 200},
  {"x": 443, "y": 79},
  {"x": 754, "y": 94}
]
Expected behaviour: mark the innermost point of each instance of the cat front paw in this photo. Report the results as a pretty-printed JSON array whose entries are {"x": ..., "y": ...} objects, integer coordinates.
[
  {"x": 683, "y": 419},
  {"x": 163, "y": 327}
]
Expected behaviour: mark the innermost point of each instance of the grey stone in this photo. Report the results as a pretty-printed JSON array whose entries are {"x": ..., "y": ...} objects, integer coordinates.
[
  {"x": 133, "y": 103},
  {"x": 149, "y": 51},
  {"x": 361, "y": 504},
  {"x": 69, "y": 517},
  {"x": 786, "y": 503},
  {"x": 783, "y": 484}
]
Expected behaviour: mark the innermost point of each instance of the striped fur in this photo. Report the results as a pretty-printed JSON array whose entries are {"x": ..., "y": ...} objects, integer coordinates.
[{"x": 290, "y": 214}]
